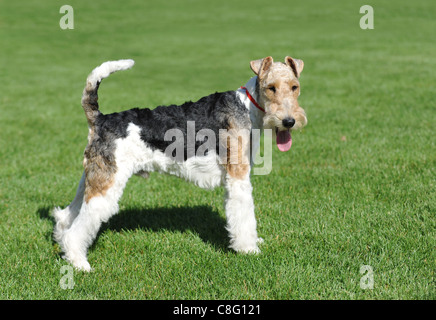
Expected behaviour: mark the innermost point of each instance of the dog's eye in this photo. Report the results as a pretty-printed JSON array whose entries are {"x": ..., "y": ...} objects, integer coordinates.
[
  {"x": 294, "y": 88},
  {"x": 272, "y": 88}
]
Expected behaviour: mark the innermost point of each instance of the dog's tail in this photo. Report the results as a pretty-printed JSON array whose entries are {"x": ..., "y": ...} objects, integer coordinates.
[{"x": 90, "y": 96}]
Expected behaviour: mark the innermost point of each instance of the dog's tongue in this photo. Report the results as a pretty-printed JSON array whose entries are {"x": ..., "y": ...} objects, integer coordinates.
[{"x": 284, "y": 140}]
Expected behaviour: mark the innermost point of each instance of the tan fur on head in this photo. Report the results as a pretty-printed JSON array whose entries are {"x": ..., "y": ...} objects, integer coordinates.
[
  {"x": 279, "y": 89},
  {"x": 261, "y": 66},
  {"x": 296, "y": 65}
]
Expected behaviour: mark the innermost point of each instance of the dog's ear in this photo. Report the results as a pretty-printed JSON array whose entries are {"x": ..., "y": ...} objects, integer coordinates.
[
  {"x": 261, "y": 66},
  {"x": 295, "y": 64}
]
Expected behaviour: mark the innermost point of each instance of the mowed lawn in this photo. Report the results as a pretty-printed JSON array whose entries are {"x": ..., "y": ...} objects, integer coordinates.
[{"x": 356, "y": 189}]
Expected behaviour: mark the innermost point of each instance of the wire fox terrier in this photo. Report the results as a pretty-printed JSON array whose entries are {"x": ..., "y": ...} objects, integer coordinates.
[{"x": 137, "y": 142}]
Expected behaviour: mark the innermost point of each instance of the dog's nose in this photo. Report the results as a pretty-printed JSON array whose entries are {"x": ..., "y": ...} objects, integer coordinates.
[{"x": 288, "y": 122}]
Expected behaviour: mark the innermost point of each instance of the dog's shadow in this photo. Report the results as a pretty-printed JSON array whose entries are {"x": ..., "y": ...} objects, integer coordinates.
[{"x": 201, "y": 220}]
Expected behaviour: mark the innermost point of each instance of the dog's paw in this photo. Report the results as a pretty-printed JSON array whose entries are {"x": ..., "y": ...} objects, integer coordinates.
[
  {"x": 253, "y": 249},
  {"x": 80, "y": 264}
]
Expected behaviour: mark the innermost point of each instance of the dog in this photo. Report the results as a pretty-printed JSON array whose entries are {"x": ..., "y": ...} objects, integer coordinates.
[{"x": 139, "y": 141}]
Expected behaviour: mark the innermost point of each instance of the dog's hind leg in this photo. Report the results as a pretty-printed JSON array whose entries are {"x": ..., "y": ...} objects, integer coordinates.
[
  {"x": 98, "y": 206},
  {"x": 64, "y": 218}
]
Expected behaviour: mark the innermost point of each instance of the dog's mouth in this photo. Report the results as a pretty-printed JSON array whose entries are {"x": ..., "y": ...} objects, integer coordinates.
[{"x": 283, "y": 139}]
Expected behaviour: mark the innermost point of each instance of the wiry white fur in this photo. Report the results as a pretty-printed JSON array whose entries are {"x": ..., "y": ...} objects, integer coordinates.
[
  {"x": 77, "y": 225},
  {"x": 108, "y": 67},
  {"x": 241, "y": 221},
  {"x": 256, "y": 115},
  {"x": 64, "y": 218},
  {"x": 75, "y": 230}
]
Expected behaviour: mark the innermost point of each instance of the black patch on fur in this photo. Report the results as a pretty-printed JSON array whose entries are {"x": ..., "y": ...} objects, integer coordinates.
[{"x": 212, "y": 112}]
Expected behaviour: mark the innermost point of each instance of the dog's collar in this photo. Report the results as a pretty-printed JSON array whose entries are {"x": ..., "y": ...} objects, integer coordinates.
[{"x": 249, "y": 96}]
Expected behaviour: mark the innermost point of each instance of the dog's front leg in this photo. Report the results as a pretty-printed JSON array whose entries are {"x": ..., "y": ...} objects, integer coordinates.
[{"x": 241, "y": 222}]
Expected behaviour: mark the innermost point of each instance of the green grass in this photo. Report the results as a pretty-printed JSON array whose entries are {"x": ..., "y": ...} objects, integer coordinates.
[{"x": 357, "y": 187}]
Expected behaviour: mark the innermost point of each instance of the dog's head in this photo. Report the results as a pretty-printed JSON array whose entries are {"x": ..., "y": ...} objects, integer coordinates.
[{"x": 279, "y": 89}]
